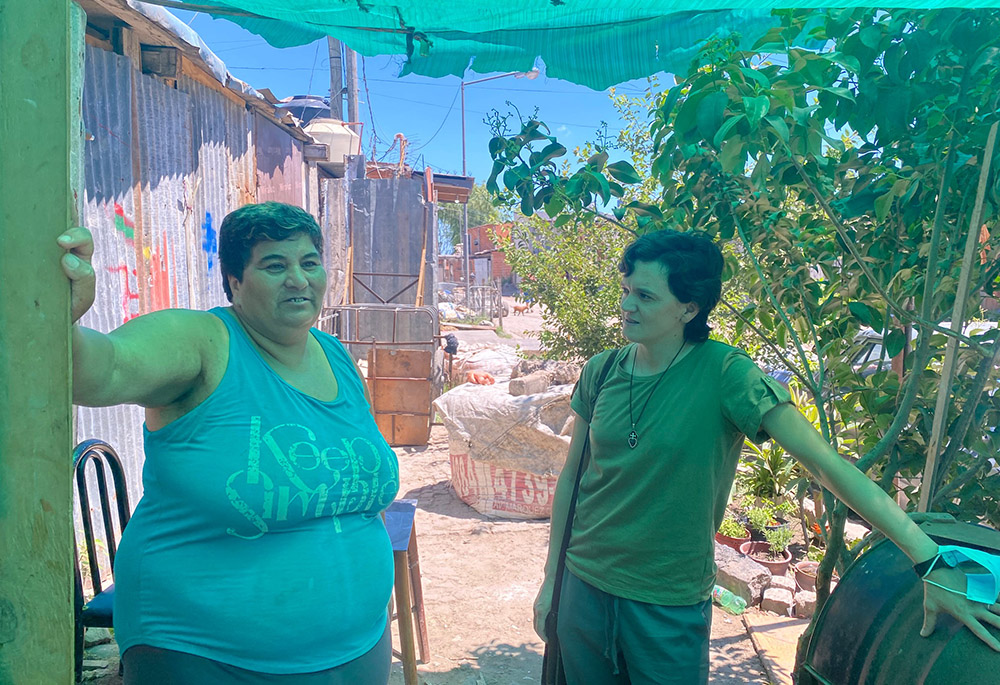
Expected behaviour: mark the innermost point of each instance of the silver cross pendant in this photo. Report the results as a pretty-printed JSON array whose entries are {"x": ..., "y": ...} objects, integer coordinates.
[{"x": 633, "y": 439}]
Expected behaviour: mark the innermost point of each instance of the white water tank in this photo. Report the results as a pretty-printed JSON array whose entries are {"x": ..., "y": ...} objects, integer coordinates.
[{"x": 339, "y": 138}]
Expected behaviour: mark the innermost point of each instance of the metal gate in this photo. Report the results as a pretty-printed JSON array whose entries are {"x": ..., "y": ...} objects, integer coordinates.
[{"x": 399, "y": 344}]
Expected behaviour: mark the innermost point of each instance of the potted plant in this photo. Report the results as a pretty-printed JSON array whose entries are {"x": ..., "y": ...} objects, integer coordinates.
[
  {"x": 732, "y": 533},
  {"x": 759, "y": 519},
  {"x": 773, "y": 553},
  {"x": 805, "y": 570}
]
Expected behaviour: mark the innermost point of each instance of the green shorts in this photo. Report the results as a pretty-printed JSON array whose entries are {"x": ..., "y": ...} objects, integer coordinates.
[{"x": 608, "y": 640}]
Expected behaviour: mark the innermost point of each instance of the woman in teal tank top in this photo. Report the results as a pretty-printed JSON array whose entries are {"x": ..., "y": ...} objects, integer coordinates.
[{"x": 257, "y": 553}]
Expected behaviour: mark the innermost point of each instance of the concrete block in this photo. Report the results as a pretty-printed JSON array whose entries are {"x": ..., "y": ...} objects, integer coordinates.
[
  {"x": 532, "y": 384},
  {"x": 783, "y": 583},
  {"x": 96, "y": 636},
  {"x": 777, "y": 601},
  {"x": 740, "y": 574},
  {"x": 805, "y": 603}
]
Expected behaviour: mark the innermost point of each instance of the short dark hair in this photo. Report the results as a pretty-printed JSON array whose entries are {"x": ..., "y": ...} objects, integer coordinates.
[
  {"x": 251, "y": 224},
  {"x": 693, "y": 263}
]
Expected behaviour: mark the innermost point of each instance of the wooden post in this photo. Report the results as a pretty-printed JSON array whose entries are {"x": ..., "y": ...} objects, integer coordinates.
[
  {"x": 41, "y": 50},
  {"x": 943, "y": 403}
]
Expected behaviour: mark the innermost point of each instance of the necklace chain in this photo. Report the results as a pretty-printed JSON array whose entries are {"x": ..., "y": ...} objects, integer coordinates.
[{"x": 633, "y": 436}]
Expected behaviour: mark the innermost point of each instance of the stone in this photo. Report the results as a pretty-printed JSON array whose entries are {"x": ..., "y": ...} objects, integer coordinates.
[
  {"x": 107, "y": 651},
  {"x": 740, "y": 574},
  {"x": 561, "y": 373},
  {"x": 777, "y": 601},
  {"x": 95, "y": 664},
  {"x": 805, "y": 603},
  {"x": 96, "y": 636},
  {"x": 532, "y": 384},
  {"x": 782, "y": 583},
  {"x": 854, "y": 532}
]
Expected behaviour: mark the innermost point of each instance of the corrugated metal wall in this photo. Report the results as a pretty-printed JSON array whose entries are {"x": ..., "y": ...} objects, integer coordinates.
[
  {"x": 333, "y": 213},
  {"x": 194, "y": 151},
  {"x": 279, "y": 164},
  {"x": 389, "y": 225}
]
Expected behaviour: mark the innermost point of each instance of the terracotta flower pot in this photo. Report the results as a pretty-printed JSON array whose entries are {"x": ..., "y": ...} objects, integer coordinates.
[
  {"x": 759, "y": 552},
  {"x": 805, "y": 575},
  {"x": 732, "y": 542}
]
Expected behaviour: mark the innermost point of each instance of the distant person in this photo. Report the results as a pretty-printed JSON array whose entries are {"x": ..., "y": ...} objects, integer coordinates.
[
  {"x": 665, "y": 433},
  {"x": 256, "y": 554}
]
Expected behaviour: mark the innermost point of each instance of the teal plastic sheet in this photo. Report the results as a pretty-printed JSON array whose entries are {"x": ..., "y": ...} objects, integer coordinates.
[{"x": 595, "y": 43}]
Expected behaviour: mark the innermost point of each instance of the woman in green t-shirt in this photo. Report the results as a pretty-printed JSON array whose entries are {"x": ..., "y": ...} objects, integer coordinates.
[{"x": 665, "y": 418}]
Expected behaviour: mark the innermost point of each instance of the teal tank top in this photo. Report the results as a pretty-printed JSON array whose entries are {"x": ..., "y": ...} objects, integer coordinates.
[{"x": 258, "y": 540}]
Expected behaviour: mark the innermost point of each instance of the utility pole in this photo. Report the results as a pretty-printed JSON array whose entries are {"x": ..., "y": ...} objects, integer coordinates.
[
  {"x": 351, "y": 67},
  {"x": 336, "y": 78},
  {"x": 41, "y": 163}
]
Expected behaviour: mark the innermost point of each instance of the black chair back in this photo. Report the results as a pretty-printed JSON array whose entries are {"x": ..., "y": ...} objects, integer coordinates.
[{"x": 106, "y": 462}]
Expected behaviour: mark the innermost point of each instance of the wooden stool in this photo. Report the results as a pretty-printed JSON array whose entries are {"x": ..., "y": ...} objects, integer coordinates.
[{"x": 408, "y": 594}]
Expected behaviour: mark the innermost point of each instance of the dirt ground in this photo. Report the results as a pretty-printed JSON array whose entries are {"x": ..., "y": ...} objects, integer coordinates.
[{"x": 480, "y": 575}]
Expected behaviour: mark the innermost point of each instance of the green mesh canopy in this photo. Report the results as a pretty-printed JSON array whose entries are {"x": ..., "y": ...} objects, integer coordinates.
[{"x": 595, "y": 43}]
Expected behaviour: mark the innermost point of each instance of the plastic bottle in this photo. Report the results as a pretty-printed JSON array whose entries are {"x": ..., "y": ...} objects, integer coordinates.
[{"x": 734, "y": 604}]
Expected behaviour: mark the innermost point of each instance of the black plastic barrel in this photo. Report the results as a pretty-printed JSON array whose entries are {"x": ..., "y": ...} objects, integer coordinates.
[{"x": 868, "y": 633}]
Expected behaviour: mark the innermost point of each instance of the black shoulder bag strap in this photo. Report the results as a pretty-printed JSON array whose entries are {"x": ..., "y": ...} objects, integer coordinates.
[{"x": 551, "y": 660}]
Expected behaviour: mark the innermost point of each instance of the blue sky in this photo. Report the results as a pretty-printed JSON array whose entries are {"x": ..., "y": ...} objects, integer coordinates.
[{"x": 427, "y": 111}]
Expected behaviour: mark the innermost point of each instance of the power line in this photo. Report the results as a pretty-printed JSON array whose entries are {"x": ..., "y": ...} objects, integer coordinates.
[
  {"x": 447, "y": 114},
  {"x": 368, "y": 98},
  {"x": 309, "y": 88}
]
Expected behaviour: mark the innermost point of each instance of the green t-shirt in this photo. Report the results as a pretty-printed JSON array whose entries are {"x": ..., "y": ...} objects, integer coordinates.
[{"x": 646, "y": 517}]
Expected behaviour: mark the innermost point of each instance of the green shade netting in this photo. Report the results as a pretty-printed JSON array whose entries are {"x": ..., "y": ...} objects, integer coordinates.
[{"x": 595, "y": 43}]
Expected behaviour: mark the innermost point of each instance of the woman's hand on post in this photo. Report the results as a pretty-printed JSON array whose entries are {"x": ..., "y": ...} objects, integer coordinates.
[
  {"x": 543, "y": 604},
  {"x": 974, "y": 615},
  {"x": 79, "y": 246}
]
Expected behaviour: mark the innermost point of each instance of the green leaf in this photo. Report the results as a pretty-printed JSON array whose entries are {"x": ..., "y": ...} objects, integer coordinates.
[
  {"x": 844, "y": 93},
  {"x": 491, "y": 184},
  {"x": 562, "y": 220},
  {"x": 551, "y": 151},
  {"x": 726, "y": 127},
  {"x": 669, "y": 101},
  {"x": 870, "y": 36},
  {"x": 711, "y": 112},
  {"x": 860, "y": 312},
  {"x": 755, "y": 76},
  {"x": 597, "y": 161},
  {"x": 496, "y": 145},
  {"x": 527, "y": 204},
  {"x": 623, "y": 172},
  {"x": 756, "y": 108},
  {"x": 554, "y": 205},
  {"x": 779, "y": 126},
  {"x": 882, "y": 206},
  {"x": 644, "y": 209},
  {"x": 894, "y": 343},
  {"x": 733, "y": 157},
  {"x": 604, "y": 188},
  {"x": 687, "y": 115}
]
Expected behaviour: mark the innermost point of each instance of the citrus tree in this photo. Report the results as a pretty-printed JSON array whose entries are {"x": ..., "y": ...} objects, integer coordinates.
[{"x": 857, "y": 177}]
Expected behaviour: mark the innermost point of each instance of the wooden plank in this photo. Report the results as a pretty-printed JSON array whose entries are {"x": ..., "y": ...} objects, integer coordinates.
[
  {"x": 402, "y": 395},
  {"x": 410, "y": 430},
  {"x": 41, "y": 48},
  {"x": 391, "y": 363}
]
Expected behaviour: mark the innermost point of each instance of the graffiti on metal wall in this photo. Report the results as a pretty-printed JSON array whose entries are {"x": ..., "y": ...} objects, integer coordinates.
[
  {"x": 162, "y": 282},
  {"x": 130, "y": 278},
  {"x": 163, "y": 288},
  {"x": 210, "y": 244}
]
